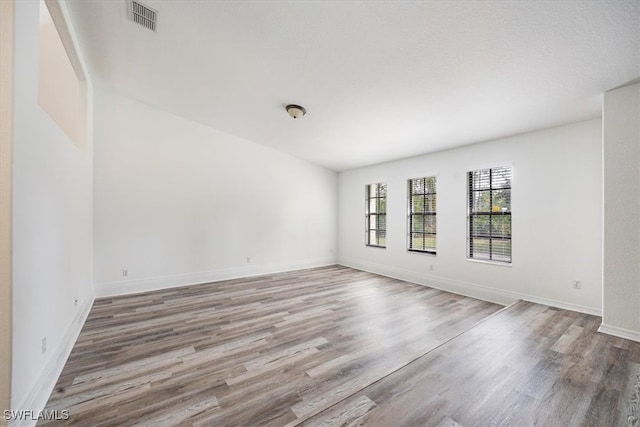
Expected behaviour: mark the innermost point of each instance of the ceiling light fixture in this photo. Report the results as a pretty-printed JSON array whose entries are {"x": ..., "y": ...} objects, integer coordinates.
[{"x": 296, "y": 111}]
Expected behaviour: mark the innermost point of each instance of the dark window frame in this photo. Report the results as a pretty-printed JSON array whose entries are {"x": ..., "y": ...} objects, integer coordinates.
[
  {"x": 376, "y": 236},
  {"x": 498, "y": 240},
  {"x": 427, "y": 217}
]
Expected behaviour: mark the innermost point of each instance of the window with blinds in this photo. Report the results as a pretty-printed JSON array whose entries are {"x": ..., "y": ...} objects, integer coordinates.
[
  {"x": 376, "y": 215},
  {"x": 489, "y": 214},
  {"x": 422, "y": 214}
]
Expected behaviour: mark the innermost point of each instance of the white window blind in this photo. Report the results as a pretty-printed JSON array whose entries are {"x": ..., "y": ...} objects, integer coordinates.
[
  {"x": 422, "y": 214},
  {"x": 489, "y": 214},
  {"x": 376, "y": 215}
]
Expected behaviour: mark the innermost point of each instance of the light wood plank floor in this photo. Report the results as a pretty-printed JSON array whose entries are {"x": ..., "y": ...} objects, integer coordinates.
[
  {"x": 336, "y": 346},
  {"x": 268, "y": 350},
  {"x": 529, "y": 365}
]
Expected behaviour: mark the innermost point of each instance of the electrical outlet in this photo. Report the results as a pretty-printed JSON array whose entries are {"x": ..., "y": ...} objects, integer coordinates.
[
  {"x": 44, "y": 345},
  {"x": 577, "y": 284},
  {"x": 430, "y": 267},
  {"x": 248, "y": 260},
  {"x": 75, "y": 302},
  {"x": 125, "y": 273}
]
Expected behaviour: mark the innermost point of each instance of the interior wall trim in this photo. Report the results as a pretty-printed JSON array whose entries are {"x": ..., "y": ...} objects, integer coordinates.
[
  {"x": 619, "y": 332},
  {"x": 39, "y": 392},
  {"x": 468, "y": 289},
  {"x": 127, "y": 287}
]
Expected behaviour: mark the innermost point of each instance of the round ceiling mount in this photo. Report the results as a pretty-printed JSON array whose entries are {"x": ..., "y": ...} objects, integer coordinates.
[{"x": 296, "y": 111}]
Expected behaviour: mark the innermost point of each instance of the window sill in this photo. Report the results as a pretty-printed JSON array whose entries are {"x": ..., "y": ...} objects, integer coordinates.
[
  {"x": 415, "y": 251},
  {"x": 483, "y": 261}
]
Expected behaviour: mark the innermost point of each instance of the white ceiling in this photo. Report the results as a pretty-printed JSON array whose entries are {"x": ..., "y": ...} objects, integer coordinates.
[{"x": 381, "y": 80}]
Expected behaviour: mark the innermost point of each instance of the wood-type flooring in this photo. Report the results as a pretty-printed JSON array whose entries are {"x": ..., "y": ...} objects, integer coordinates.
[
  {"x": 338, "y": 346},
  {"x": 529, "y": 365}
]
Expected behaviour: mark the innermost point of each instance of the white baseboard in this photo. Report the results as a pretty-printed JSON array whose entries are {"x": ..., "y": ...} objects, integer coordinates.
[
  {"x": 39, "y": 393},
  {"x": 474, "y": 290},
  {"x": 628, "y": 334},
  {"x": 127, "y": 287}
]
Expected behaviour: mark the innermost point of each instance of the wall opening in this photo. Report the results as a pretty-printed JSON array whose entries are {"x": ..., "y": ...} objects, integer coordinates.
[{"x": 61, "y": 92}]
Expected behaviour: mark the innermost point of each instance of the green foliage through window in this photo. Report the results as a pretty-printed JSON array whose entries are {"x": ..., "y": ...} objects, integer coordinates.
[
  {"x": 376, "y": 215},
  {"x": 422, "y": 214},
  {"x": 489, "y": 218}
]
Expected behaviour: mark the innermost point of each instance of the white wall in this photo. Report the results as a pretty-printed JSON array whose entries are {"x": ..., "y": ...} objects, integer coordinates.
[
  {"x": 52, "y": 237},
  {"x": 556, "y": 205},
  {"x": 6, "y": 144},
  {"x": 177, "y": 203},
  {"x": 621, "y": 163}
]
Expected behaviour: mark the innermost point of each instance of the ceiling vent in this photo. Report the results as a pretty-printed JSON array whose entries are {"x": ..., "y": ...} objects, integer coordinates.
[{"x": 143, "y": 15}]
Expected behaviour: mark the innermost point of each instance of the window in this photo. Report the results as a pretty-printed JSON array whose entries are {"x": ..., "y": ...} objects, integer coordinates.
[
  {"x": 422, "y": 214},
  {"x": 376, "y": 214},
  {"x": 489, "y": 217}
]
